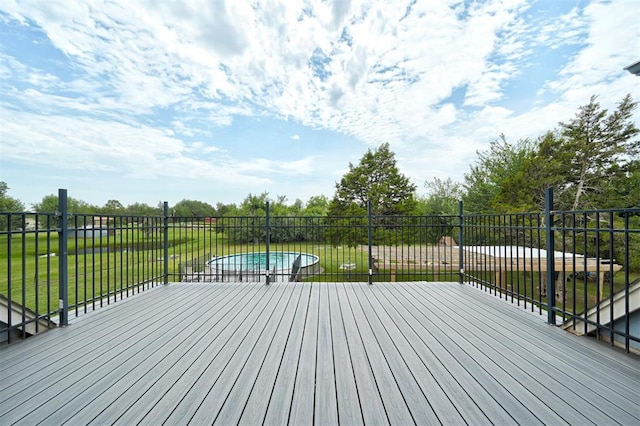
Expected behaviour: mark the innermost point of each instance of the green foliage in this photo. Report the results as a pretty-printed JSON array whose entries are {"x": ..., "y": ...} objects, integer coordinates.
[
  {"x": 316, "y": 206},
  {"x": 597, "y": 145},
  {"x": 142, "y": 209},
  {"x": 539, "y": 166},
  {"x": 348, "y": 229},
  {"x": 600, "y": 236},
  {"x": 442, "y": 197},
  {"x": 289, "y": 223},
  {"x": 112, "y": 207},
  {"x": 49, "y": 204},
  {"x": 495, "y": 171},
  {"x": 192, "y": 208},
  {"x": 590, "y": 162},
  {"x": 9, "y": 204},
  {"x": 377, "y": 179}
]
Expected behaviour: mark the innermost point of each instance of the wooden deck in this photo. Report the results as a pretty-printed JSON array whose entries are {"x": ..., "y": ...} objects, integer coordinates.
[{"x": 420, "y": 353}]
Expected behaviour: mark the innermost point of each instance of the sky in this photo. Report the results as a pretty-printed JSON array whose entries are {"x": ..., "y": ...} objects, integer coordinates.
[{"x": 212, "y": 100}]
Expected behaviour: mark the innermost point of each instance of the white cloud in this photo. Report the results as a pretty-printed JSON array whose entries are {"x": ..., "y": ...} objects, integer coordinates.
[
  {"x": 144, "y": 86},
  {"x": 154, "y": 55},
  {"x": 138, "y": 151}
]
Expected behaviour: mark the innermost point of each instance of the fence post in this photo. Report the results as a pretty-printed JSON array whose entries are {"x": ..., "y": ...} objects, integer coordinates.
[
  {"x": 165, "y": 243},
  {"x": 550, "y": 245},
  {"x": 268, "y": 240},
  {"x": 63, "y": 260},
  {"x": 370, "y": 240},
  {"x": 461, "y": 241}
]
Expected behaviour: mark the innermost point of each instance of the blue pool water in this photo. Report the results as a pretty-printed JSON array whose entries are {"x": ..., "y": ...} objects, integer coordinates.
[{"x": 257, "y": 261}]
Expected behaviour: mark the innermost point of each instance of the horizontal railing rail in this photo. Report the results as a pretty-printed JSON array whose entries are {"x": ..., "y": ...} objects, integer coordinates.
[
  {"x": 53, "y": 265},
  {"x": 580, "y": 269}
]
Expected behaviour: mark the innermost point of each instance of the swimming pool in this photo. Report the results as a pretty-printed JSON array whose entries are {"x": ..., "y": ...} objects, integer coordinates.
[{"x": 250, "y": 266}]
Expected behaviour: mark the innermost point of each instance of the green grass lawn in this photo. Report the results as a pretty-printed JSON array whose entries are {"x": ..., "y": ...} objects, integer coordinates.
[{"x": 115, "y": 264}]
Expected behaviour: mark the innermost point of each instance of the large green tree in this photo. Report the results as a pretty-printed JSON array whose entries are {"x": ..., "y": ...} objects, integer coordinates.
[
  {"x": 192, "y": 208},
  {"x": 376, "y": 178},
  {"x": 590, "y": 161},
  {"x": 502, "y": 164},
  {"x": 442, "y": 197},
  {"x": 538, "y": 167},
  {"x": 598, "y": 145},
  {"x": 142, "y": 209},
  {"x": 112, "y": 207},
  {"x": 49, "y": 204},
  {"x": 316, "y": 206}
]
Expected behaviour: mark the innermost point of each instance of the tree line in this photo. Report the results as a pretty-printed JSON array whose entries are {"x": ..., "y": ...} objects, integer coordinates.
[{"x": 591, "y": 161}]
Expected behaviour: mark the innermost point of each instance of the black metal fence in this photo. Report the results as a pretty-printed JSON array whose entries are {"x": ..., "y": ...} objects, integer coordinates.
[
  {"x": 581, "y": 269},
  {"x": 55, "y": 264}
]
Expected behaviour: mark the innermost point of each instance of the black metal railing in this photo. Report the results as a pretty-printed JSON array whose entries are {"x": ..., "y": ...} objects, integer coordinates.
[
  {"x": 56, "y": 264},
  {"x": 580, "y": 269}
]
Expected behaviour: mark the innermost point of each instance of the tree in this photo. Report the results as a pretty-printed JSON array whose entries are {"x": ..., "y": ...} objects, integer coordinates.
[
  {"x": 316, "y": 206},
  {"x": 377, "y": 179},
  {"x": 9, "y": 205},
  {"x": 502, "y": 163},
  {"x": 597, "y": 145},
  {"x": 49, "y": 204},
  {"x": 442, "y": 197},
  {"x": 142, "y": 209},
  {"x": 223, "y": 209},
  {"x": 192, "y": 208},
  {"x": 113, "y": 207},
  {"x": 541, "y": 166}
]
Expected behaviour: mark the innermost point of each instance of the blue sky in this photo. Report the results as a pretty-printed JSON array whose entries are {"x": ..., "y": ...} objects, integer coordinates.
[{"x": 147, "y": 101}]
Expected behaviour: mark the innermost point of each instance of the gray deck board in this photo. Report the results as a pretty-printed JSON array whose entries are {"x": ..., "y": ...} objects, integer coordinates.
[
  {"x": 182, "y": 376},
  {"x": 394, "y": 401},
  {"x": 349, "y": 411},
  {"x": 456, "y": 383},
  {"x": 315, "y": 353},
  {"x": 140, "y": 380},
  {"x": 275, "y": 362},
  {"x": 302, "y": 401},
  {"x": 371, "y": 404},
  {"x": 535, "y": 380},
  {"x": 76, "y": 341},
  {"x": 281, "y": 393},
  {"x": 69, "y": 374},
  {"x": 195, "y": 397},
  {"x": 412, "y": 393},
  {"x": 326, "y": 403},
  {"x": 258, "y": 374},
  {"x": 540, "y": 406},
  {"x": 560, "y": 373},
  {"x": 439, "y": 404},
  {"x": 583, "y": 351},
  {"x": 230, "y": 388},
  {"x": 491, "y": 378}
]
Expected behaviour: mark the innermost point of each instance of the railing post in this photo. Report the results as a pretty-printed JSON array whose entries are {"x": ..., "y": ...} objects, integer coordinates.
[
  {"x": 370, "y": 240},
  {"x": 63, "y": 259},
  {"x": 165, "y": 243},
  {"x": 461, "y": 241},
  {"x": 268, "y": 240},
  {"x": 550, "y": 246}
]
